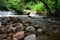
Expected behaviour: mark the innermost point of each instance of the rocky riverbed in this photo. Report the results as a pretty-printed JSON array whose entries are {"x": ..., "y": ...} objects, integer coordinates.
[{"x": 14, "y": 28}]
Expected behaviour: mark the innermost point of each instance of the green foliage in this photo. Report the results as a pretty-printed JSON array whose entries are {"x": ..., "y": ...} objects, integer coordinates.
[
  {"x": 58, "y": 5},
  {"x": 13, "y": 4},
  {"x": 3, "y": 4},
  {"x": 51, "y": 4},
  {"x": 38, "y": 7},
  {"x": 32, "y": 4}
]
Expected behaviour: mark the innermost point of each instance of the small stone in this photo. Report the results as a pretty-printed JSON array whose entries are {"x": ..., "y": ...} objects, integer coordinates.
[
  {"x": 36, "y": 25},
  {"x": 30, "y": 28},
  {"x": 18, "y": 35},
  {"x": 39, "y": 30},
  {"x": 30, "y": 37}
]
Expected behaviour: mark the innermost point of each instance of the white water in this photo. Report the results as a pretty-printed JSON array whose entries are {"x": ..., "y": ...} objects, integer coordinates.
[{"x": 2, "y": 13}]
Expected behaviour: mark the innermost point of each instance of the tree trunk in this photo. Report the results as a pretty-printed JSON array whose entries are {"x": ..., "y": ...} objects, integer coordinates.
[
  {"x": 49, "y": 12},
  {"x": 57, "y": 11}
]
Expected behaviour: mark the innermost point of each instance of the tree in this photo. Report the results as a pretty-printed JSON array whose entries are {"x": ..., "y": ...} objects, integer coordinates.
[
  {"x": 3, "y": 5},
  {"x": 57, "y": 12},
  {"x": 49, "y": 12},
  {"x": 50, "y": 5}
]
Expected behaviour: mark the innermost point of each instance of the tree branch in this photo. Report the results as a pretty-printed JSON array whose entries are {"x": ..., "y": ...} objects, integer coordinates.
[{"x": 49, "y": 12}]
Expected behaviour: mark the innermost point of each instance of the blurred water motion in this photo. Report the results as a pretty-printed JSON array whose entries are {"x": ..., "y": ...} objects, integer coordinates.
[{"x": 7, "y": 13}]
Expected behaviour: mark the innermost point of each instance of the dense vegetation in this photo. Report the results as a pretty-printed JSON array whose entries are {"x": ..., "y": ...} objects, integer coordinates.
[{"x": 49, "y": 6}]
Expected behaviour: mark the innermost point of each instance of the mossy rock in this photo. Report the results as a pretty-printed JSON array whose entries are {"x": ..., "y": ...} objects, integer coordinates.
[{"x": 39, "y": 30}]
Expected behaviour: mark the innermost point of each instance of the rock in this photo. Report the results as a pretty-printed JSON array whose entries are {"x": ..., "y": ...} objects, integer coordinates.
[
  {"x": 36, "y": 25},
  {"x": 15, "y": 39},
  {"x": 39, "y": 30},
  {"x": 3, "y": 35},
  {"x": 33, "y": 13},
  {"x": 9, "y": 28},
  {"x": 30, "y": 28},
  {"x": 0, "y": 24},
  {"x": 18, "y": 35},
  {"x": 30, "y": 37},
  {"x": 19, "y": 27},
  {"x": 6, "y": 29},
  {"x": 6, "y": 39}
]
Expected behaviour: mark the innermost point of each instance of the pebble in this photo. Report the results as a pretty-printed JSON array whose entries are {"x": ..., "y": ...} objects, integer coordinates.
[
  {"x": 30, "y": 37},
  {"x": 30, "y": 28},
  {"x": 18, "y": 35}
]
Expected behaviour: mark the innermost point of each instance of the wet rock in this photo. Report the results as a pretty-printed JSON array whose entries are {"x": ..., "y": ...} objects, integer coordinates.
[
  {"x": 30, "y": 37},
  {"x": 27, "y": 24},
  {"x": 18, "y": 35},
  {"x": 19, "y": 27},
  {"x": 36, "y": 25},
  {"x": 30, "y": 28},
  {"x": 0, "y": 24},
  {"x": 5, "y": 29},
  {"x": 13, "y": 28},
  {"x": 15, "y": 39},
  {"x": 39, "y": 30}
]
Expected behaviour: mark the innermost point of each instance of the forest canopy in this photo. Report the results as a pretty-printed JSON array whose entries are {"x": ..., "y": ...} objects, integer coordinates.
[{"x": 38, "y": 5}]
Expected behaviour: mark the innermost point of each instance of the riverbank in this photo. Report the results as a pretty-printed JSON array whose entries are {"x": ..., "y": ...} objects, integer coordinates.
[{"x": 24, "y": 27}]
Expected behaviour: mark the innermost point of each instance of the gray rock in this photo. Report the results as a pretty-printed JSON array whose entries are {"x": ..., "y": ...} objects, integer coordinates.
[
  {"x": 0, "y": 24},
  {"x": 30, "y": 37},
  {"x": 30, "y": 28}
]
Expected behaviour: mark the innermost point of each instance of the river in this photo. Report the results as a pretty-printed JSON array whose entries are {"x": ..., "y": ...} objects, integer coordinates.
[{"x": 52, "y": 24}]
